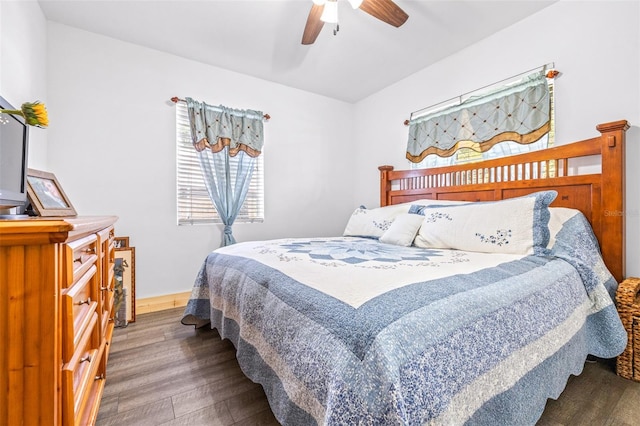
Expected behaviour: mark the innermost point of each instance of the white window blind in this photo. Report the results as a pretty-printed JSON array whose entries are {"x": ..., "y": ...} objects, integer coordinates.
[{"x": 193, "y": 202}]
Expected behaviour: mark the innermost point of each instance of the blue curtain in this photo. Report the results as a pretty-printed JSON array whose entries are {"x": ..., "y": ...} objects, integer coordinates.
[{"x": 228, "y": 142}]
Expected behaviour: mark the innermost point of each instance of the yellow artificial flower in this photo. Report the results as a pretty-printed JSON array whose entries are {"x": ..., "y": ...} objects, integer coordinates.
[{"x": 34, "y": 113}]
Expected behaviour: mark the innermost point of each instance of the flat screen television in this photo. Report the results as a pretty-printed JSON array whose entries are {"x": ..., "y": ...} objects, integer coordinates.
[{"x": 14, "y": 146}]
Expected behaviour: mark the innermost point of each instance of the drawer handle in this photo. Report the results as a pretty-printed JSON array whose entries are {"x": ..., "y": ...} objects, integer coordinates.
[
  {"x": 84, "y": 302},
  {"x": 87, "y": 251},
  {"x": 85, "y": 359},
  {"x": 100, "y": 377},
  {"x": 106, "y": 289}
]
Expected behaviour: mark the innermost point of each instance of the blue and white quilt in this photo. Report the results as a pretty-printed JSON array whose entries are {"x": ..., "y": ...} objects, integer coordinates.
[{"x": 351, "y": 331}]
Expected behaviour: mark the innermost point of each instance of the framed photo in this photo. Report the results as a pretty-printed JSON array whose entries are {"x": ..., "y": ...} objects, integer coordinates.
[
  {"x": 125, "y": 285},
  {"x": 121, "y": 242},
  {"x": 46, "y": 195}
]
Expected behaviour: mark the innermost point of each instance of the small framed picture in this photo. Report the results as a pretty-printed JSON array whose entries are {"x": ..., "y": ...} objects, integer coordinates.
[
  {"x": 46, "y": 195},
  {"x": 125, "y": 285},
  {"x": 121, "y": 242}
]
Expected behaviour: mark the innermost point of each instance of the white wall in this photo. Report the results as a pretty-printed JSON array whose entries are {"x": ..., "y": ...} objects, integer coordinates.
[
  {"x": 23, "y": 65},
  {"x": 596, "y": 46},
  {"x": 111, "y": 138},
  {"x": 112, "y": 146}
]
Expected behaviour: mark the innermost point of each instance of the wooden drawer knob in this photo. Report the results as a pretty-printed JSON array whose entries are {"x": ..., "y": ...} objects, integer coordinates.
[
  {"x": 85, "y": 252},
  {"x": 84, "y": 302}
]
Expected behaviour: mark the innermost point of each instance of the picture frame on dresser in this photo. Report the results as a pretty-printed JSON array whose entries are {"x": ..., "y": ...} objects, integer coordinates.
[
  {"x": 125, "y": 285},
  {"x": 46, "y": 195}
]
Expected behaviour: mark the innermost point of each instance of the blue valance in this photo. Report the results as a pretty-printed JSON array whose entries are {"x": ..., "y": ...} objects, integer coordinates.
[
  {"x": 215, "y": 127},
  {"x": 519, "y": 113}
]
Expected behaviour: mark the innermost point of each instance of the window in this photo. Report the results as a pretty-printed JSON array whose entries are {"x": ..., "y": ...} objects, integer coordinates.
[{"x": 193, "y": 202}]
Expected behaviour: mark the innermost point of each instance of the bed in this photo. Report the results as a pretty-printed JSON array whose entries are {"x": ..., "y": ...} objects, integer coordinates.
[{"x": 418, "y": 314}]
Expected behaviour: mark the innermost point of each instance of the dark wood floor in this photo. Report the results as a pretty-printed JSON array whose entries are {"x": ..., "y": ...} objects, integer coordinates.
[{"x": 161, "y": 372}]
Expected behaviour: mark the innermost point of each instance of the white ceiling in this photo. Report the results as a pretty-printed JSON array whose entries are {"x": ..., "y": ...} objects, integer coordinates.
[{"x": 262, "y": 37}]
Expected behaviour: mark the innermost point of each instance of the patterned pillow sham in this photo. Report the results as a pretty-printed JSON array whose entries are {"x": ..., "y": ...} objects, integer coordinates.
[
  {"x": 515, "y": 225},
  {"x": 372, "y": 223},
  {"x": 403, "y": 230}
]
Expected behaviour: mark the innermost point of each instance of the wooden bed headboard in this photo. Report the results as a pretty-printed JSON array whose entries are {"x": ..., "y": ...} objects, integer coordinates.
[{"x": 599, "y": 196}]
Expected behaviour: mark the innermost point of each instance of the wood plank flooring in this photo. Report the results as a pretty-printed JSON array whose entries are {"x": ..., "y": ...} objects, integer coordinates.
[{"x": 161, "y": 372}]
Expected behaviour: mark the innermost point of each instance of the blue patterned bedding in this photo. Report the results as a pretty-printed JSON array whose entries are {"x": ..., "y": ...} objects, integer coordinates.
[{"x": 343, "y": 331}]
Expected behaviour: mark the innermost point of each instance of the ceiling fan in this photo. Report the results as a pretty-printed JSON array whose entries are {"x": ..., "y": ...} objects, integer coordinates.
[{"x": 327, "y": 11}]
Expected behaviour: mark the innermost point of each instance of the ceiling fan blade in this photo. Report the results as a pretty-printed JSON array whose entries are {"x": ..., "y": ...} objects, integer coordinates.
[
  {"x": 314, "y": 25},
  {"x": 386, "y": 11}
]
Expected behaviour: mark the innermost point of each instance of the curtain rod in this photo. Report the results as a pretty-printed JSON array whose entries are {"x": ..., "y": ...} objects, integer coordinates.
[
  {"x": 176, "y": 99},
  {"x": 551, "y": 73}
]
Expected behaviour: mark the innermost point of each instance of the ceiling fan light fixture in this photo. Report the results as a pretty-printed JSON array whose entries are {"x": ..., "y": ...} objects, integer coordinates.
[
  {"x": 330, "y": 12},
  {"x": 327, "y": 11}
]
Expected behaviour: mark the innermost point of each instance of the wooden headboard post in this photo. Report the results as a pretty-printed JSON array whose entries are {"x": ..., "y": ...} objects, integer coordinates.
[
  {"x": 599, "y": 196},
  {"x": 613, "y": 196},
  {"x": 385, "y": 185}
]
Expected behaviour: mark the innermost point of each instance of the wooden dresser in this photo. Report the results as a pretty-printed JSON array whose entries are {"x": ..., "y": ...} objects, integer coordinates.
[{"x": 56, "y": 318}]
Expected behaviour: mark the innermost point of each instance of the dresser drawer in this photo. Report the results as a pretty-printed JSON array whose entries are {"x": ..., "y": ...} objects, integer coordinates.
[
  {"x": 79, "y": 255},
  {"x": 107, "y": 291},
  {"x": 107, "y": 312},
  {"x": 79, "y": 375},
  {"x": 106, "y": 235},
  {"x": 106, "y": 240},
  {"x": 108, "y": 340},
  {"x": 77, "y": 309}
]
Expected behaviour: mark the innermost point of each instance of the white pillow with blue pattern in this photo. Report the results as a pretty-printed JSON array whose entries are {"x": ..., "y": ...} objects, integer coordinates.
[
  {"x": 372, "y": 223},
  {"x": 515, "y": 225},
  {"x": 403, "y": 230}
]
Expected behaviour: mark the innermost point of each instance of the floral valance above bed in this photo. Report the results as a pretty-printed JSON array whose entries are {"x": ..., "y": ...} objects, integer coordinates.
[{"x": 519, "y": 112}]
